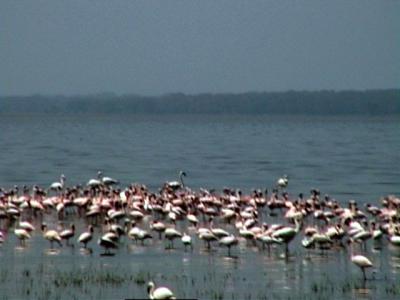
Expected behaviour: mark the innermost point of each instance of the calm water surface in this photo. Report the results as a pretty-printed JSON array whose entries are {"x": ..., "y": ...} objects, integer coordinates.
[{"x": 346, "y": 157}]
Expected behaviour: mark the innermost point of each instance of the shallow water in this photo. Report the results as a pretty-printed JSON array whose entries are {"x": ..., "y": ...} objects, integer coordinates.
[
  {"x": 36, "y": 271},
  {"x": 346, "y": 157}
]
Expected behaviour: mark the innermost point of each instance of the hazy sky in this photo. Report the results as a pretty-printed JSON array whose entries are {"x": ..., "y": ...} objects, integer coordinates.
[{"x": 155, "y": 47}]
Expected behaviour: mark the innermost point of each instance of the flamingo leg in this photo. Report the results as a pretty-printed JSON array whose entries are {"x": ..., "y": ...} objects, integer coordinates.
[{"x": 364, "y": 276}]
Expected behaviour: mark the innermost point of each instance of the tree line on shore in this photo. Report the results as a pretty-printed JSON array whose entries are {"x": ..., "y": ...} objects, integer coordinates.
[{"x": 371, "y": 102}]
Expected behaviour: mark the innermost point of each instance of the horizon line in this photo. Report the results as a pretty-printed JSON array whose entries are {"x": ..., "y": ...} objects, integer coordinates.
[{"x": 115, "y": 94}]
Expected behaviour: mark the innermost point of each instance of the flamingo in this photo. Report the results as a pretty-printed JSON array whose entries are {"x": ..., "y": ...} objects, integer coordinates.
[
  {"x": 58, "y": 186},
  {"x": 143, "y": 235},
  {"x": 228, "y": 214},
  {"x": 110, "y": 235},
  {"x": 171, "y": 234},
  {"x": 186, "y": 241},
  {"x": 192, "y": 219},
  {"x": 362, "y": 262},
  {"x": 395, "y": 240},
  {"x": 22, "y": 234},
  {"x": 323, "y": 240},
  {"x": 159, "y": 293},
  {"x": 286, "y": 234},
  {"x": 86, "y": 237},
  {"x": 218, "y": 232},
  {"x": 207, "y": 236},
  {"x": 107, "y": 242},
  {"x": 228, "y": 241},
  {"x": 247, "y": 234},
  {"x": 283, "y": 182},
  {"x": 93, "y": 183},
  {"x": 27, "y": 226},
  {"x": 116, "y": 214},
  {"x": 159, "y": 227},
  {"x": 267, "y": 239},
  {"x": 175, "y": 185},
  {"x": 134, "y": 232},
  {"x": 137, "y": 234},
  {"x": 362, "y": 236},
  {"x": 51, "y": 235},
  {"x": 376, "y": 232},
  {"x": 308, "y": 242},
  {"x": 106, "y": 180},
  {"x": 68, "y": 233},
  {"x": 335, "y": 232},
  {"x": 136, "y": 215}
]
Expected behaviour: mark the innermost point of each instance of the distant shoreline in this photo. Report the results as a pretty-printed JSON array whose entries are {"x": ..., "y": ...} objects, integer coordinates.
[{"x": 369, "y": 102}]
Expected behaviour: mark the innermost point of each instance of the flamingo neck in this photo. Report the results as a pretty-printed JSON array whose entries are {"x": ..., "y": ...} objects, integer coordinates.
[
  {"x": 211, "y": 224},
  {"x": 351, "y": 250},
  {"x": 181, "y": 179},
  {"x": 298, "y": 225},
  {"x": 151, "y": 291}
]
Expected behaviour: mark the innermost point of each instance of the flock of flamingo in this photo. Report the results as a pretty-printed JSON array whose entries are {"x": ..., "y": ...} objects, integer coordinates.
[{"x": 140, "y": 215}]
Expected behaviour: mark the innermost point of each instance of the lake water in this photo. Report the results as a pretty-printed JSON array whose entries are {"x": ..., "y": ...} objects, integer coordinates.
[{"x": 344, "y": 156}]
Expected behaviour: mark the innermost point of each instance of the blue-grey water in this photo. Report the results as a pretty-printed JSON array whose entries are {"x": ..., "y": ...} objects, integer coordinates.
[{"x": 347, "y": 157}]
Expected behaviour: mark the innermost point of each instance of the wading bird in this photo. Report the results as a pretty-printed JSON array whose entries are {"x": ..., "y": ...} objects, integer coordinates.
[{"x": 159, "y": 293}]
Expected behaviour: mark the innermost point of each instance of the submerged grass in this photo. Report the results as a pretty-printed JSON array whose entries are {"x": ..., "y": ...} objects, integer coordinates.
[
  {"x": 81, "y": 278},
  {"x": 66, "y": 284},
  {"x": 45, "y": 282}
]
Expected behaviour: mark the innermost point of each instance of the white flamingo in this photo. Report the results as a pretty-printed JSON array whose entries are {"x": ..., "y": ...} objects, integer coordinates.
[
  {"x": 175, "y": 185},
  {"x": 106, "y": 180},
  {"x": 207, "y": 236},
  {"x": 27, "y": 226},
  {"x": 228, "y": 241},
  {"x": 187, "y": 241},
  {"x": 171, "y": 234},
  {"x": 86, "y": 237},
  {"x": 68, "y": 233},
  {"x": 22, "y": 234},
  {"x": 283, "y": 182},
  {"x": 395, "y": 240},
  {"x": 158, "y": 227},
  {"x": 287, "y": 234},
  {"x": 95, "y": 182},
  {"x": 51, "y": 235},
  {"x": 360, "y": 261},
  {"x": 192, "y": 219},
  {"x": 107, "y": 242},
  {"x": 159, "y": 293},
  {"x": 58, "y": 186}
]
